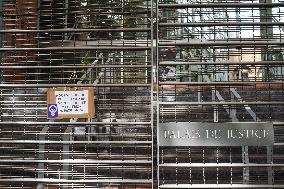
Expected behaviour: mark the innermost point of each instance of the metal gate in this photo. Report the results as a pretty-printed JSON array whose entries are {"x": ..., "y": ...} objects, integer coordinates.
[
  {"x": 151, "y": 62},
  {"x": 220, "y": 61},
  {"x": 76, "y": 43}
]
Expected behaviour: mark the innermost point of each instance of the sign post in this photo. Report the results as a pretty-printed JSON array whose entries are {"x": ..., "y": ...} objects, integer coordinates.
[{"x": 77, "y": 102}]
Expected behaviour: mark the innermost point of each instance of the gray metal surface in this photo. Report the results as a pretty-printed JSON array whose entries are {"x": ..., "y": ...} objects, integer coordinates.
[
  {"x": 208, "y": 52},
  {"x": 150, "y": 62},
  {"x": 106, "y": 45},
  {"x": 216, "y": 134}
]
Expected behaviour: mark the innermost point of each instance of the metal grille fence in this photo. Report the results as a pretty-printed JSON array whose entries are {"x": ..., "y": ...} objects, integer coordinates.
[
  {"x": 150, "y": 62},
  {"x": 221, "y": 61},
  {"x": 90, "y": 43}
]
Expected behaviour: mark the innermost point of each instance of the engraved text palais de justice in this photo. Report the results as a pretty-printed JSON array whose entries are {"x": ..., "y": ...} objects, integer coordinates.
[{"x": 217, "y": 134}]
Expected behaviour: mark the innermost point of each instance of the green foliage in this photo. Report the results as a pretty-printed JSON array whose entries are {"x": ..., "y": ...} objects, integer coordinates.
[
  {"x": 86, "y": 58},
  {"x": 110, "y": 14},
  {"x": 188, "y": 53},
  {"x": 113, "y": 14},
  {"x": 272, "y": 71}
]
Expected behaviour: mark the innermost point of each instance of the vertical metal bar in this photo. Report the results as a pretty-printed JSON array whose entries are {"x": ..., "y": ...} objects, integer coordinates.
[
  {"x": 152, "y": 91},
  {"x": 233, "y": 110},
  {"x": 66, "y": 17},
  {"x": 121, "y": 62},
  {"x": 157, "y": 92},
  {"x": 1, "y": 39},
  {"x": 266, "y": 32},
  {"x": 38, "y": 35},
  {"x": 245, "y": 157},
  {"x": 266, "y": 16},
  {"x": 66, "y": 151},
  {"x": 199, "y": 93},
  {"x": 270, "y": 174},
  {"x": 122, "y": 53},
  {"x": 41, "y": 156},
  {"x": 215, "y": 111},
  {"x": 1, "y": 26}
]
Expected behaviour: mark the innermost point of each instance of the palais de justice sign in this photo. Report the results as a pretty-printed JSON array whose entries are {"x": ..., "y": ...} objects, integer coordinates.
[
  {"x": 216, "y": 134},
  {"x": 70, "y": 103}
]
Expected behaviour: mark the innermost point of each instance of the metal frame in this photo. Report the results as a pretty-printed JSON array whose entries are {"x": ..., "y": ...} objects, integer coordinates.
[
  {"x": 207, "y": 32},
  {"x": 113, "y": 150},
  {"x": 128, "y": 52}
]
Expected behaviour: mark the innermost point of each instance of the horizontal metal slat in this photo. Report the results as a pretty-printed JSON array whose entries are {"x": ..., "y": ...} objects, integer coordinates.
[
  {"x": 194, "y": 165},
  {"x": 228, "y": 44},
  {"x": 52, "y": 180},
  {"x": 71, "y": 85},
  {"x": 78, "y": 123},
  {"x": 66, "y": 30},
  {"x": 208, "y": 24},
  {"x": 121, "y": 48},
  {"x": 178, "y": 63},
  {"x": 75, "y": 161},
  {"x": 229, "y": 83},
  {"x": 74, "y": 67},
  {"x": 222, "y": 5},
  {"x": 70, "y": 142},
  {"x": 219, "y": 186},
  {"x": 223, "y": 103}
]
